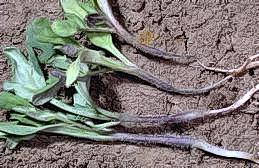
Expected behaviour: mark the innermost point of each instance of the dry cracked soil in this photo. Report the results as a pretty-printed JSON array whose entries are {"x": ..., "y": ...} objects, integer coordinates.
[{"x": 220, "y": 33}]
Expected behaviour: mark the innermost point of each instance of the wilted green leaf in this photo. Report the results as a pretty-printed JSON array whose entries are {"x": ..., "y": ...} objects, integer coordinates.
[
  {"x": 22, "y": 119},
  {"x": 85, "y": 111},
  {"x": 12, "y": 140},
  {"x": 46, "y": 49},
  {"x": 25, "y": 79},
  {"x": 61, "y": 62},
  {"x": 73, "y": 72},
  {"x": 104, "y": 40},
  {"x": 37, "y": 114},
  {"x": 78, "y": 132},
  {"x": 68, "y": 27},
  {"x": 10, "y": 128},
  {"x": 41, "y": 28},
  {"x": 49, "y": 91},
  {"x": 82, "y": 97},
  {"x": 89, "y": 6},
  {"x": 27, "y": 111},
  {"x": 73, "y": 7},
  {"x": 9, "y": 101},
  {"x": 103, "y": 127},
  {"x": 98, "y": 58}
]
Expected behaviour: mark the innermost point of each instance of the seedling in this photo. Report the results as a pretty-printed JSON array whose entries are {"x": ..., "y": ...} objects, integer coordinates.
[
  {"x": 28, "y": 95},
  {"x": 98, "y": 59},
  {"x": 128, "y": 120},
  {"x": 105, "y": 14},
  {"x": 83, "y": 119}
]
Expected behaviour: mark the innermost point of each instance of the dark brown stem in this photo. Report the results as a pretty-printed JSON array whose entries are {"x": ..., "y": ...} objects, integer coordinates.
[
  {"x": 129, "y": 38},
  {"x": 184, "y": 141},
  {"x": 169, "y": 140},
  {"x": 165, "y": 86},
  {"x": 187, "y": 116}
]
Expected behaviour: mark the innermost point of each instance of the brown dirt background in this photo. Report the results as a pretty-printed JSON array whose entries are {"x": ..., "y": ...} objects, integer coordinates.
[{"x": 220, "y": 33}]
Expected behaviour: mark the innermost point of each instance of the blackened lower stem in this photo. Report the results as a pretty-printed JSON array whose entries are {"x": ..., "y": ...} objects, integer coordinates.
[
  {"x": 169, "y": 140},
  {"x": 129, "y": 38},
  {"x": 135, "y": 71},
  {"x": 185, "y": 141},
  {"x": 126, "y": 119},
  {"x": 165, "y": 86}
]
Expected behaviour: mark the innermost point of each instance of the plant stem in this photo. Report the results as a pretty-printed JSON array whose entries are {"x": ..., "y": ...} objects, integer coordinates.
[
  {"x": 129, "y": 38},
  {"x": 116, "y": 65},
  {"x": 184, "y": 141},
  {"x": 126, "y": 119},
  {"x": 169, "y": 140},
  {"x": 164, "y": 86}
]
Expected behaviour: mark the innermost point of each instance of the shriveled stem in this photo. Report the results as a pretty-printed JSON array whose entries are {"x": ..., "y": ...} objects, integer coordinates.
[
  {"x": 188, "y": 116},
  {"x": 129, "y": 38},
  {"x": 135, "y": 71},
  {"x": 164, "y": 86},
  {"x": 184, "y": 141},
  {"x": 170, "y": 140}
]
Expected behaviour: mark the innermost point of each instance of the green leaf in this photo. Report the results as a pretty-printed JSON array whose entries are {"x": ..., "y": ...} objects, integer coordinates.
[
  {"x": 75, "y": 13},
  {"x": 89, "y": 6},
  {"x": 64, "y": 28},
  {"x": 76, "y": 20},
  {"x": 61, "y": 62},
  {"x": 82, "y": 97},
  {"x": 104, "y": 40},
  {"x": 47, "y": 50},
  {"x": 68, "y": 27},
  {"x": 26, "y": 80},
  {"x": 98, "y": 57},
  {"x": 49, "y": 91},
  {"x": 73, "y": 7},
  {"x": 85, "y": 111},
  {"x": 10, "y": 128},
  {"x": 13, "y": 141},
  {"x": 22, "y": 119},
  {"x": 73, "y": 72},
  {"x": 23, "y": 72},
  {"x": 9, "y": 101},
  {"x": 42, "y": 30},
  {"x": 79, "y": 133}
]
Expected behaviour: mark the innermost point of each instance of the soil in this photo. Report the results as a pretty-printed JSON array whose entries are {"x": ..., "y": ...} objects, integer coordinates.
[{"x": 220, "y": 33}]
